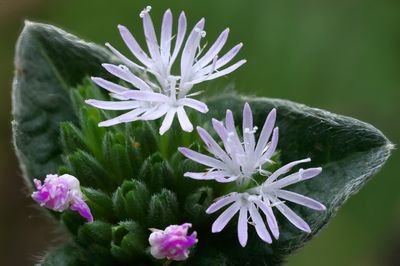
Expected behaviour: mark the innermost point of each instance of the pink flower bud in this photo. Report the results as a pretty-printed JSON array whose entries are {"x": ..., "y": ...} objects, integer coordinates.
[
  {"x": 59, "y": 193},
  {"x": 173, "y": 243}
]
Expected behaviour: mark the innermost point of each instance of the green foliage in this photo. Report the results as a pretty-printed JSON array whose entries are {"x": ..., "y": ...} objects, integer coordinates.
[{"x": 133, "y": 178}]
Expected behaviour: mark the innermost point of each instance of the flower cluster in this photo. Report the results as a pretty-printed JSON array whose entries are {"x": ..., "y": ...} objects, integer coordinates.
[
  {"x": 241, "y": 160},
  {"x": 167, "y": 94},
  {"x": 173, "y": 243},
  {"x": 59, "y": 193}
]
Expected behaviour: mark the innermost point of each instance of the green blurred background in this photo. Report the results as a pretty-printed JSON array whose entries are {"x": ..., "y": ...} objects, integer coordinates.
[{"x": 343, "y": 56}]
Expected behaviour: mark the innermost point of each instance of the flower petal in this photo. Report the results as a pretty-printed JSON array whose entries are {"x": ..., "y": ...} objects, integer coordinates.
[
  {"x": 299, "y": 176},
  {"x": 201, "y": 158},
  {"x": 300, "y": 199},
  {"x": 194, "y": 104},
  {"x": 124, "y": 73},
  {"x": 189, "y": 51},
  {"x": 293, "y": 218},
  {"x": 146, "y": 96},
  {"x": 248, "y": 133},
  {"x": 108, "y": 85},
  {"x": 259, "y": 224},
  {"x": 179, "y": 36},
  {"x": 227, "y": 70},
  {"x": 206, "y": 175},
  {"x": 271, "y": 148},
  {"x": 80, "y": 206},
  {"x": 166, "y": 124},
  {"x": 166, "y": 37},
  {"x": 213, "y": 147},
  {"x": 242, "y": 226},
  {"x": 127, "y": 117},
  {"x": 184, "y": 120},
  {"x": 156, "y": 112},
  {"x": 271, "y": 219},
  {"x": 133, "y": 46},
  {"x": 151, "y": 38},
  {"x": 109, "y": 105},
  {"x": 123, "y": 58},
  {"x": 222, "y": 202},
  {"x": 213, "y": 51},
  {"x": 284, "y": 169},
  {"x": 266, "y": 132},
  {"x": 225, "y": 217}
]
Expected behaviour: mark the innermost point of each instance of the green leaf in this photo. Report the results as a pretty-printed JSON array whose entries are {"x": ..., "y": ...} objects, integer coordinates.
[
  {"x": 66, "y": 255},
  {"x": 48, "y": 63},
  {"x": 349, "y": 151},
  {"x": 129, "y": 242},
  {"x": 163, "y": 210},
  {"x": 99, "y": 203}
]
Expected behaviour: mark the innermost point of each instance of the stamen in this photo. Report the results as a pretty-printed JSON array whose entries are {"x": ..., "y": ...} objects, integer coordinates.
[
  {"x": 300, "y": 174},
  {"x": 201, "y": 32},
  {"x": 145, "y": 11},
  {"x": 248, "y": 131}
]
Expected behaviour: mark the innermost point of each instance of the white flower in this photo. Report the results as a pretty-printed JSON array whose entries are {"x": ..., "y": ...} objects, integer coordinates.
[
  {"x": 241, "y": 159},
  {"x": 273, "y": 194},
  {"x": 170, "y": 93},
  {"x": 264, "y": 198},
  {"x": 246, "y": 205}
]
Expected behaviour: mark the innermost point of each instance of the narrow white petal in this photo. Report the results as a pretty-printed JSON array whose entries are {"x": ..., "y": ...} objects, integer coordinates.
[
  {"x": 119, "y": 97},
  {"x": 155, "y": 113},
  {"x": 247, "y": 127},
  {"x": 201, "y": 158},
  {"x": 166, "y": 36},
  {"x": 108, "y": 105},
  {"x": 284, "y": 169},
  {"x": 222, "y": 133},
  {"x": 233, "y": 137},
  {"x": 227, "y": 70},
  {"x": 259, "y": 224},
  {"x": 189, "y": 51},
  {"x": 213, "y": 146},
  {"x": 146, "y": 96},
  {"x": 299, "y": 176},
  {"x": 225, "y": 217},
  {"x": 184, "y": 120},
  {"x": 300, "y": 199},
  {"x": 242, "y": 226},
  {"x": 195, "y": 104},
  {"x": 123, "y": 58},
  {"x": 151, "y": 37},
  {"x": 293, "y": 218},
  {"x": 225, "y": 59},
  {"x": 108, "y": 85},
  {"x": 124, "y": 73},
  {"x": 211, "y": 175},
  {"x": 128, "y": 117},
  {"x": 133, "y": 46},
  {"x": 271, "y": 148},
  {"x": 265, "y": 132},
  {"x": 222, "y": 202},
  {"x": 166, "y": 124},
  {"x": 271, "y": 219},
  {"x": 179, "y": 37},
  {"x": 213, "y": 51},
  {"x": 227, "y": 178}
]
